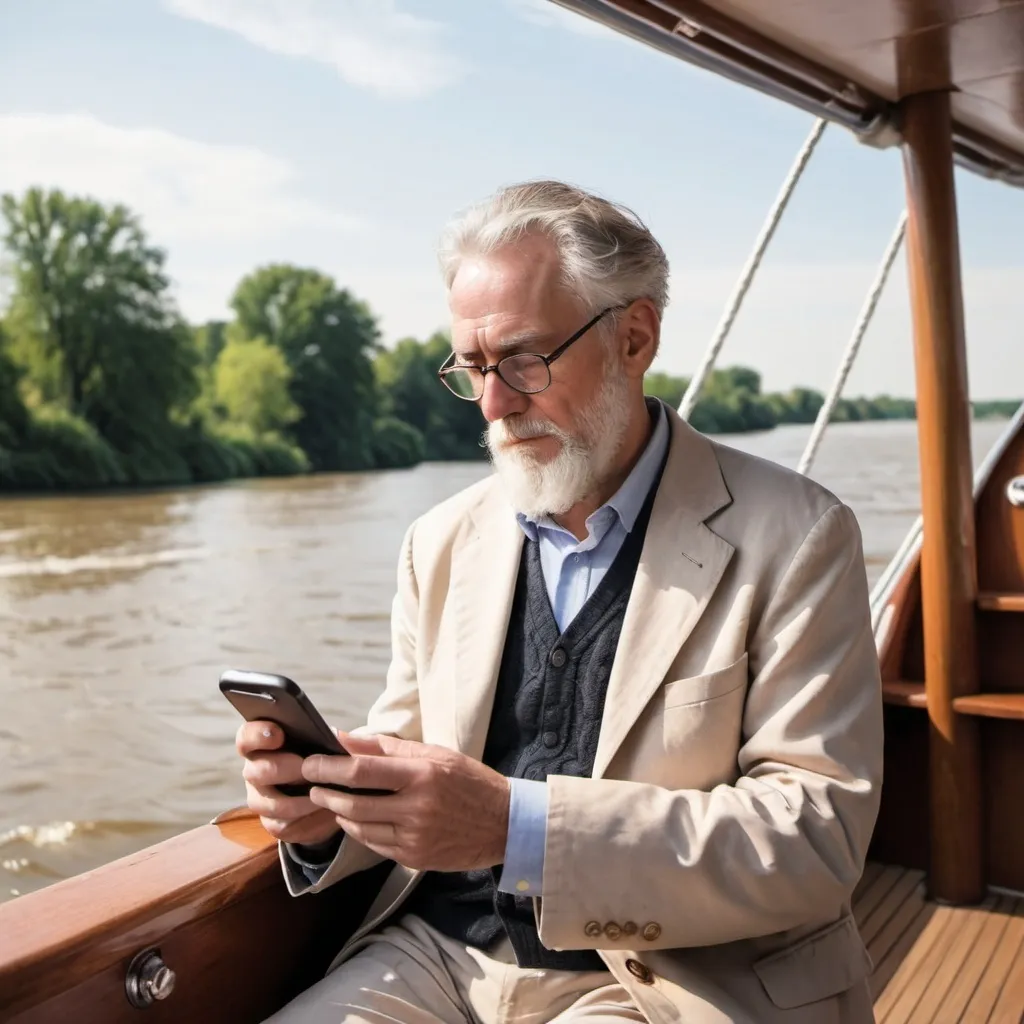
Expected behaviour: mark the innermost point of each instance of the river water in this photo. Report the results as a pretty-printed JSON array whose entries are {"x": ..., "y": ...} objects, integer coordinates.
[{"x": 118, "y": 612}]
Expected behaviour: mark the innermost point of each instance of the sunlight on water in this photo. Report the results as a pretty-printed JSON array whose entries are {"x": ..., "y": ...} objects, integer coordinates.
[
  {"x": 52, "y": 566},
  {"x": 55, "y": 834}
]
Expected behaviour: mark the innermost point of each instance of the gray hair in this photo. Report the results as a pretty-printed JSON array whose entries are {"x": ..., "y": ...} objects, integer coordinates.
[{"x": 607, "y": 255}]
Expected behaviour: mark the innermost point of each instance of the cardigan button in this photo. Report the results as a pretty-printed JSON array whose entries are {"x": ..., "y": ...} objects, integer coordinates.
[{"x": 558, "y": 657}]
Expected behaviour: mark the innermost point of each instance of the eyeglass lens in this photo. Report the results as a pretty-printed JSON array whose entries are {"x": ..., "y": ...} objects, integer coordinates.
[{"x": 525, "y": 372}]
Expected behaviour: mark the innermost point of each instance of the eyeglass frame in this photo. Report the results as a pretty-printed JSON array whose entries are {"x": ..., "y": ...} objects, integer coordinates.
[{"x": 547, "y": 360}]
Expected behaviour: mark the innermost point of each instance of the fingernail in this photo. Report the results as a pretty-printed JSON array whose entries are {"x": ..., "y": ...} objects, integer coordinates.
[{"x": 267, "y": 734}]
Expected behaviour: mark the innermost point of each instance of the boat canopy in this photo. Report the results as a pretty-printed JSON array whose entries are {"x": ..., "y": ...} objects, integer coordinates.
[{"x": 852, "y": 61}]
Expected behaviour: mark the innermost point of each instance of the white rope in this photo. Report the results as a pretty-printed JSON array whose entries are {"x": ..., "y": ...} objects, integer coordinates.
[
  {"x": 699, "y": 379},
  {"x": 853, "y": 346}
]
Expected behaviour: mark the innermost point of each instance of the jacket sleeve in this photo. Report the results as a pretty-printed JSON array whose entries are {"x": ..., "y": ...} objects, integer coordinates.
[
  {"x": 786, "y": 843},
  {"x": 396, "y": 712}
]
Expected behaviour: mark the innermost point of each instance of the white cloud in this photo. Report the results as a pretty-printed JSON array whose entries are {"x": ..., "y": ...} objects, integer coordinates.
[
  {"x": 180, "y": 187},
  {"x": 548, "y": 13},
  {"x": 370, "y": 43}
]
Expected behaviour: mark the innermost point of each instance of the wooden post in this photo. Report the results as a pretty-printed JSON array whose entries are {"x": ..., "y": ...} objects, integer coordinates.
[{"x": 948, "y": 566}]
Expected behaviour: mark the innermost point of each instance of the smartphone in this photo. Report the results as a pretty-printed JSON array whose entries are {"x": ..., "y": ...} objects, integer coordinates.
[{"x": 265, "y": 697}]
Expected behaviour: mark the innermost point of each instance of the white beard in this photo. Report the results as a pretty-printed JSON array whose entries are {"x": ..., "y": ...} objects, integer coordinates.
[{"x": 550, "y": 488}]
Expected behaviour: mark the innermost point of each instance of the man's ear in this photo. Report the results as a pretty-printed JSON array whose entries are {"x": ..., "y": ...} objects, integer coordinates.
[{"x": 639, "y": 333}]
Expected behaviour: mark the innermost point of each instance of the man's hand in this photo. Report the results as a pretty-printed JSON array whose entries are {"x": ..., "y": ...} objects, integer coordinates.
[
  {"x": 292, "y": 819},
  {"x": 444, "y": 812}
]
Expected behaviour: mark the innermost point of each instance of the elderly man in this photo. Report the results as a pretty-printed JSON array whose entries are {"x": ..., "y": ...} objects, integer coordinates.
[{"x": 631, "y": 732}]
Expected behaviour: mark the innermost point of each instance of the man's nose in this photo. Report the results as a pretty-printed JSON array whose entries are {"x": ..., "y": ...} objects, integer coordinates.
[{"x": 499, "y": 400}]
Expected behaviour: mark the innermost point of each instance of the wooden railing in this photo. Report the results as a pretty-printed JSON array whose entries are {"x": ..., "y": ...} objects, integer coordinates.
[
  {"x": 212, "y": 900},
  {"x": 997, "y": 707}
]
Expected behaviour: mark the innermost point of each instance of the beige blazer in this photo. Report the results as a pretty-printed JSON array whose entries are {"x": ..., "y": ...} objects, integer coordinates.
[{"x": 739, "y": 763}]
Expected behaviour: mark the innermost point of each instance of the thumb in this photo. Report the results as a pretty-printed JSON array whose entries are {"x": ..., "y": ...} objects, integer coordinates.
[
  {"x": 381, "y": 745},
  {"x": 360, "y": 744}
]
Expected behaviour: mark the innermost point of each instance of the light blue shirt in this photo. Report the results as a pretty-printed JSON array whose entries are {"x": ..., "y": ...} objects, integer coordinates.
[{"x": 573, "y": 570}]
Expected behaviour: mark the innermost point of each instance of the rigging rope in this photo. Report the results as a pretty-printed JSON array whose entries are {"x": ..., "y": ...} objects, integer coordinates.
[
  {"x": 853, "y": 346},
  {"x": 753, "y": 262}
]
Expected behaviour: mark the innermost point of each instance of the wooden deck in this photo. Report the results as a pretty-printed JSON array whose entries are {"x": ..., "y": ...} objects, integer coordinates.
[{"x": 940, "y": 964}]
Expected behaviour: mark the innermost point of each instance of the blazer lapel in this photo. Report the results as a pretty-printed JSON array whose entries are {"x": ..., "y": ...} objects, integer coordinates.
[
  {"x": 484, "y": 569},
  {"x": 680, "y": 567}
]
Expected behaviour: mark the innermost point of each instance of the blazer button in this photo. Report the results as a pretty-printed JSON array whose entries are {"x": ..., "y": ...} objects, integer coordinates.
[
  {"x": 613, "y": 931},
  {"x": 651, "y": 931},
  {"x": 629, "y": 928},
  {"x": 640, "y": 971},
  {"x": 558, "y": 657},
  {"x": 592, "y": 929}
]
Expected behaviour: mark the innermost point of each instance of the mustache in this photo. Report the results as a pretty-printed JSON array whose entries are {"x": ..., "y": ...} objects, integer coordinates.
[{"x": 501, "y": 431}]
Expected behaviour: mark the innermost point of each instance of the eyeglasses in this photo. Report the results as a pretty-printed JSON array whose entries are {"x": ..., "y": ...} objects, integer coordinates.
[{"x": 526, "y": 372}]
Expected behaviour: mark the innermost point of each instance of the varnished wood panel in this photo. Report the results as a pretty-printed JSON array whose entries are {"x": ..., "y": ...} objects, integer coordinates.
[
  {"x": 1000, "y": 526},
  {"x": 1001, "y": 651},
  {"x": 904, "y": 694},
  {"x": 212, "y": 899},
  {"x": 1002, "y": 744},
  {"x": 903, "y": 609},
  {"x": 948, "y": 579},
  {"x": 993, "y": 602},
  {"x": 82, "y": 925},
  {"x": 1001, "y": 672},
  {"x": 992, "y": 705},
  {"x": 901, "y": 832},
  {"x": 239, "y": 964},
  {"x": 896, "y": 48}
]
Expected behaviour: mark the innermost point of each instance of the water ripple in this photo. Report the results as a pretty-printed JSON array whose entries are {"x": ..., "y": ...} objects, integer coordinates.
[{"x": 53, "y": 565}]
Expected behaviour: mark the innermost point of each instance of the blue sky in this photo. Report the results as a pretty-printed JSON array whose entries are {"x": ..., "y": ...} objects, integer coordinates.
[{"x": 341, "y": 134}]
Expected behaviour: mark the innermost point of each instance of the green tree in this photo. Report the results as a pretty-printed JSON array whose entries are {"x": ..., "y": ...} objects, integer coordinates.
[
  {"x": 666, "y": 387},
  {"x": 93, "y": 325},
  {"x": 329, "y": 339},
  {"x": 998, "y": 409},
  {"x": 730, "y": 401},
  {"x": 800, "y": 405},
  {"x": 14, "y": 418},
  {"x": 410, "y": 391},
  {"x": 211, "y": 338},
  {"x": 396, "y": 444},
  {"x": 251, "y": 380},
  {"x": 731, "y": 379}
]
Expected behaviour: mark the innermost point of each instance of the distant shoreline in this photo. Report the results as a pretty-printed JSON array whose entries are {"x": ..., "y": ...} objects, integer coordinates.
[{"x": 126, "y": 490}]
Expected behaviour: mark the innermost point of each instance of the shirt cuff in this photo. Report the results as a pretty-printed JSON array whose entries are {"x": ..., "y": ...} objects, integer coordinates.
[
  {"x": 522, "y": 873},
  {"x": 313, "y": 861}
]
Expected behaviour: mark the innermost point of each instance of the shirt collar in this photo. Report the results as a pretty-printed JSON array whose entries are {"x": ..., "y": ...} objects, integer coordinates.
[{"x": 629, "y": 499}]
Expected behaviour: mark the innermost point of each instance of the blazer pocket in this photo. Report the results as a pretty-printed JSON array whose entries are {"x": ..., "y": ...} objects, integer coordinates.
[
  {"x": 823, "y": 964},
  {"x": 697, "y": 689}
]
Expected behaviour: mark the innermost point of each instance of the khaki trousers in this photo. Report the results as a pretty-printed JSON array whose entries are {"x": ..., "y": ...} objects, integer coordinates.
[{"x": 409, "y": 973}]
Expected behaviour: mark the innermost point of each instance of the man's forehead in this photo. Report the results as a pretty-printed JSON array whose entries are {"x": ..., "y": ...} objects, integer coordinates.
[
  {"x": 503, "y": 280},
  {"x": 508, "y": 300},
  {"x": 501, "y": 332}
]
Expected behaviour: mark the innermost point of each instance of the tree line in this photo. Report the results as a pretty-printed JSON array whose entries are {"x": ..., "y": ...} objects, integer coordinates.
[
  {"x": 104, "y": 383},
  {"x": 732, "y": 402}
]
